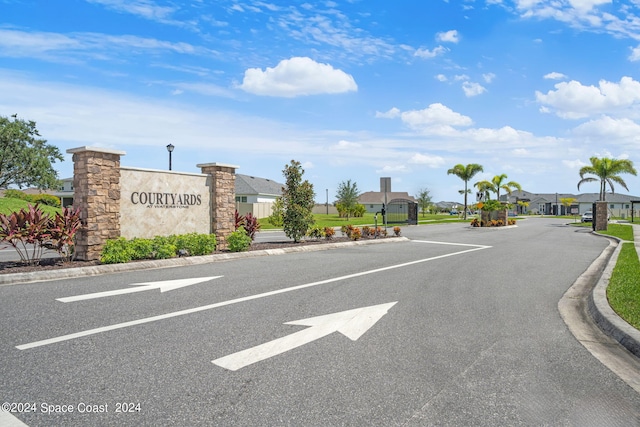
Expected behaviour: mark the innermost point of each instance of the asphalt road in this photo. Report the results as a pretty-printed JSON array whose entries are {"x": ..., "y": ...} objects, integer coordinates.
[{"x": 468, "y": 334}]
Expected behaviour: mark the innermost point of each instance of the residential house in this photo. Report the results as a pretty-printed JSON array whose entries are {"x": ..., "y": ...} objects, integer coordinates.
[
  {"x": 373, "y": 200},
  {"x": 256, "y": 195},
  {"x": 619, "y": 205}
]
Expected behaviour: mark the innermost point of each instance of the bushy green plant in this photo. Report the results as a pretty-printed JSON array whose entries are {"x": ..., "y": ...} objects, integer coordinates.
[
  {"x": 277, "y": 213},
  {"x": 315, "y": 232},
  {"x": 42, "y": 199},
  {"x": 15, "y": 194},
  {"x": 45, "y": 199},
  {"x": 116, "y": 251},
  {"x": 196, "y": 244},
  {"x": 164, "y": 247},
  {"x": 239, "y": 240},
  {"x": 140, "y": 248}
]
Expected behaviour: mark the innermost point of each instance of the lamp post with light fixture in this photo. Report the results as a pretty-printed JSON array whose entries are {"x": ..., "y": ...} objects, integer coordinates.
[{"x": 170, "y": 148}]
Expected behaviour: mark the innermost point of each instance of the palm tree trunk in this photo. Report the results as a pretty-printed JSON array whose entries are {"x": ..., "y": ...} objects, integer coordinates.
[{"x": 465, "y": 201}]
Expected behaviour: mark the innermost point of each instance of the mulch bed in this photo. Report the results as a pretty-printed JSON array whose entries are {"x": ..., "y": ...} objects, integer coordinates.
[{"x": 9, "y": 267}]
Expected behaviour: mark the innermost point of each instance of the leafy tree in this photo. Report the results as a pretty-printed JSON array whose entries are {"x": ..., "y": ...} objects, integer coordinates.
[
  {"x": 606, "y": 170},
  {"x": 25, "y": 159},
  {"x": 347, "y": 197},
  {"x": 465, "y": 173},
  {"x": 276, "y": 213},
  {"x": 496, "y": 184},
  {"x": 424, "y": 199},
  {"x": 297, "y": 202},
  {"x": 567, "y": 202}
]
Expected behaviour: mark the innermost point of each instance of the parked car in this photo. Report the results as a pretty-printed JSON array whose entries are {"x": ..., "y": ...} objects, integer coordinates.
[{"x": 587, "y": 217}]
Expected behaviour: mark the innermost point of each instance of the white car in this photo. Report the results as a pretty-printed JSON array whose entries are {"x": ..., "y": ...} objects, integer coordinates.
[{"x": 587, "y": 217}]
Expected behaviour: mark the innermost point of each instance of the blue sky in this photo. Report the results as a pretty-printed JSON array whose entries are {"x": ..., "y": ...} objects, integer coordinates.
[{"x": 354, "y": 90}]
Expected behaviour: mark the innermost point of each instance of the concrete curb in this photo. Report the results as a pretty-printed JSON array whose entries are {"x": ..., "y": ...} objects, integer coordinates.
[
  {"x": 604, "y": 316},
  {"x": 585, "y": 315},
  {"x": 67, "y": 273}
]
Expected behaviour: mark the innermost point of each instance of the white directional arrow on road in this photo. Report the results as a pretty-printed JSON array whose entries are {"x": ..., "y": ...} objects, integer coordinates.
[
  {"x": 164, "y": 286},
  {"x": 351, "y": 323}
]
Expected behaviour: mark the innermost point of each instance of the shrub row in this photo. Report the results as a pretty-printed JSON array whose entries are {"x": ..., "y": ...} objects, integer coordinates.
[
  {"x": 491, "y": 223},
  {"x": 160, "y": 247},
  {"x": 355, "y": 233},
  {"x": 42, "y": 199}
]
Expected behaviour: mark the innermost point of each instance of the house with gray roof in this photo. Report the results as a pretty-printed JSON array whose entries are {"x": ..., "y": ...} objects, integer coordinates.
[
  {"x": 256, "y": 195},
  {"x": 619, "y": 205},
  {"x": 251, "y": 189}
]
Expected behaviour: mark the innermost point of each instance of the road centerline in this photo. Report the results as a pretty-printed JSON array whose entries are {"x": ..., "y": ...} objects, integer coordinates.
[{"x": 142, "y": 321}]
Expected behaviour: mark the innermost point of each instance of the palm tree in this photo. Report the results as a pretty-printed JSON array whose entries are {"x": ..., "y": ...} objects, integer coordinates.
[
  {"x": 607, "y": 171},
  {"x": 465, "y": 173},
  {"x": 496, "y": 184}
]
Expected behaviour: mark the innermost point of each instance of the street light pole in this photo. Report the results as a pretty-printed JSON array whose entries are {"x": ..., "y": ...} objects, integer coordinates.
[
  {"x": 170, "y": 148},
  {"x": 327, "y": 205}
]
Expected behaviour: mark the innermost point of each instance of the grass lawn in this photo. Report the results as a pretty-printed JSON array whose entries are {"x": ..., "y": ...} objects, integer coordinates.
[
  {"x": 8, "y": 206},
  {"x": 324, "y": 220},
  {"x": 621, "y": 231},
  {"x": 623, "y": 291}
]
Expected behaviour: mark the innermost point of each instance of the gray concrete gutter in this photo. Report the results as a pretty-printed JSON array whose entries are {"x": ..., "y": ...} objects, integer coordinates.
[
  {"x": 66, "y": 273},
  {"x": 588, "y": 315}
]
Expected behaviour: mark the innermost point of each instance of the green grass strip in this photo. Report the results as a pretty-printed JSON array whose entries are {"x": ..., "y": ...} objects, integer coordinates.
[
  {"x": 621, "y": 231},
  {"x": 623, "y": 291}
]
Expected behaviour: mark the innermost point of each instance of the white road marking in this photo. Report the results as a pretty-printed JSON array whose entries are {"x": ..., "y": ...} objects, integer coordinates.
[
  {"x": 351, "y": 323},
  {"x": 8, "y": 420},
  {"x": 234, "y": 301},
  {"x": 164, "y": 286}
]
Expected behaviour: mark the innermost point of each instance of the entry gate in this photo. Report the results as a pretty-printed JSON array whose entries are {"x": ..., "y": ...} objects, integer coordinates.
[{"x": 402, "y": 211}]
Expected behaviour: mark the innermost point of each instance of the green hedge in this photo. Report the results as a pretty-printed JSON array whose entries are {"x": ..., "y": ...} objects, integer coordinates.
[{"x": 160, "y": 247}]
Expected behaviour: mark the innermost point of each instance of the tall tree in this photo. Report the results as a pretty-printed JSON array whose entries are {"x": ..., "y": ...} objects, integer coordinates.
[
  {"x": 496, "y": 184},
  {"x": 424, "y": 199},
  {"x": 607, "y": 172},
  {"x": 347, "y": 196},
  {"x": 297, "y": 202},
  {"x": 25, "y": 159},
  {"x": 465, "y": 173}
]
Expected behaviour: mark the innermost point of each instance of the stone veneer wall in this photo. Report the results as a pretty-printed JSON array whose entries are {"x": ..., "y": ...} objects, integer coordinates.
[
  {"x": 97, "y": 190},
  {"x": 96, "y": 182},
  {"x": 600, "y": 214},
  {"x": 223, "y": 199}
]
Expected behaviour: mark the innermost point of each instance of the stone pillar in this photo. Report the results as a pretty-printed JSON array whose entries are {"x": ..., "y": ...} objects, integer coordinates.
[
  {"x": 600, "y": 216},
  {"x": 96, "y": 183},
  {"x": 223, "y": 199}
]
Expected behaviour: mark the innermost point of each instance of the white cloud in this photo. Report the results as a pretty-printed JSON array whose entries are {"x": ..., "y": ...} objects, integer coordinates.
[
  {"x": 346, "y": 145},
  {"x": 427, "y": 54},
  {"x": 425, "y": 159},
  {"x": 297, "y": 76},
  {"x": 451, "y": 36},
  {"x": 574, "y": 164},
  {"x": 460, "y": 77},
  {"x": 635, "y": 54},
  {"x": 520, "y": 152},
  {"x": 441, "y": 78},
  {"x": 573, "y": 100},
  {"x": 488, "y": 77},
  {"x": 391, "y": 114},
  {"x": 555, "y": 76},
  {"x": 143, "y": 8},
  {"x": 394, "y": 169},
  {"x": 472, "y": 89},
  {"x": 60, "y": 47},
  {"x": 434, "y": 115},
  {"x": 621, "y": 131}
]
